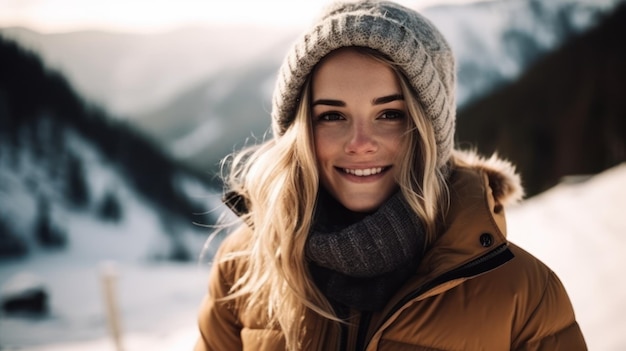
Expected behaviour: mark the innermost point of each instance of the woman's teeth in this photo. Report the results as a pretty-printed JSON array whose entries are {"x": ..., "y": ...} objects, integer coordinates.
[{"x": 363, "y": 172}]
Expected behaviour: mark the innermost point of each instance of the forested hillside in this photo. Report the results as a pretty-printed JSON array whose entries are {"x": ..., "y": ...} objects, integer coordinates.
[
  {"x": 565, "y": 116},
  {"x": 59, "y": 153}
]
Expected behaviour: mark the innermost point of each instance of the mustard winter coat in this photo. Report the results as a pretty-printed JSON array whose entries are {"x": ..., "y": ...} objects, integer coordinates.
[{"x": 473, "y": 290}]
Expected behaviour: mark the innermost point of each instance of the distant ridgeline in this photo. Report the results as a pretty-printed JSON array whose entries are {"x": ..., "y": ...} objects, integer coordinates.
[
  {"x": 46, "y": 130},
  {"x": 566, "y": 115}
]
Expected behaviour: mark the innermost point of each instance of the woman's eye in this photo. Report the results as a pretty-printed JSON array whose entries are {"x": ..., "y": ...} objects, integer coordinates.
[
  {"x": 330, "y": 117},
  {"x": 392, "y": 115}
]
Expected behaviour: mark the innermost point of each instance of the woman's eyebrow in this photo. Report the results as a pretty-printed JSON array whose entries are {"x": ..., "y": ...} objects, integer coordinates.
[
  {"x": 377, "y": 101},
  {"x": 387, "y": 99},
  {"x": 329, "y": 102}
]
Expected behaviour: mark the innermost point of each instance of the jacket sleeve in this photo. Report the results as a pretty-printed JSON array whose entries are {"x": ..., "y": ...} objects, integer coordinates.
[
  {"x": 552, "y": 324},
  {"x": 218, "y": 322}
]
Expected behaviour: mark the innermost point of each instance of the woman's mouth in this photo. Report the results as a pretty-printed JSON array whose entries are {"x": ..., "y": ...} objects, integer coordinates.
[{"x": 364, "y": 172}]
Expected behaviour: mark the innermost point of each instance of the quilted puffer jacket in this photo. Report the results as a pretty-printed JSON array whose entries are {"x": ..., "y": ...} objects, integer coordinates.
[{"x": 473, "y": 290}]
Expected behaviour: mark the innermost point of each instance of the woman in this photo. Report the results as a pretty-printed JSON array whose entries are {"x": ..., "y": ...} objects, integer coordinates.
[{"x": 362, "y": 228}]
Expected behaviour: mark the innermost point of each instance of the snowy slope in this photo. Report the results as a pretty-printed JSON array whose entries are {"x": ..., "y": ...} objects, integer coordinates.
[
  {"x": 138, "y": 244},
  {"x": 579, "y": 230}
]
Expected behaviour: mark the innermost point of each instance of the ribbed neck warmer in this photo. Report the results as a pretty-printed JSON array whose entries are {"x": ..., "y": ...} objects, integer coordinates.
[{"x": 362, "y": 263}]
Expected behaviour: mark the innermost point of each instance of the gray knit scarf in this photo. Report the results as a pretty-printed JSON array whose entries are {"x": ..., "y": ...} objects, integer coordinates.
[{"x": 361, "y": 261}]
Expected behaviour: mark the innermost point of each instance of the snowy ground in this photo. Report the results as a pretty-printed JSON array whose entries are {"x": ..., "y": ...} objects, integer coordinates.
[
  {"x": 577, "y": 229},
  {"x": 156, "y": 298},
  {"x": 158, "y": 306}
]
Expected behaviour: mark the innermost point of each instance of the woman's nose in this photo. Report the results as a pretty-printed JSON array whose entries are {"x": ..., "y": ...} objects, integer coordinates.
[{"x": 361, "y": 139}]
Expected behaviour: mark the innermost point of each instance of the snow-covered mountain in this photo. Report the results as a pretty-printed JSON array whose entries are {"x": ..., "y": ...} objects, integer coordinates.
[
  {"x": 564, "y": 115},
  {"x": 495, "y": 41},
  {"x": 77, "y": 189},
  {"x": 65, "y": 165},
  {"x": 129, "y": 74}
]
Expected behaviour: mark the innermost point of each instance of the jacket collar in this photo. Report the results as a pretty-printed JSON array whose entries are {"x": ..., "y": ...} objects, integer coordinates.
[
  {"x": 473, "y": 236},
  {"x": 474, "y": 224}
]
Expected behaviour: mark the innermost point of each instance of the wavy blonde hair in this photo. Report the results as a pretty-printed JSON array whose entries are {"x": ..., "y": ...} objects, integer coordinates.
[{"x": 279, "y": 182}]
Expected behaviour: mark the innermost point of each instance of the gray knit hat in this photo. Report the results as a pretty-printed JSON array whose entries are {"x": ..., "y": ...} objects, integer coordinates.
[{"x": 402, "y": 34}]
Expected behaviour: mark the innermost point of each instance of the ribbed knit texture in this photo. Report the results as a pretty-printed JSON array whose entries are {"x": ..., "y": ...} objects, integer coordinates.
[
  {"x": 402, "y": 34},
  {"x": 391, "y": 237},
  {"x": 358, "y": 261}
]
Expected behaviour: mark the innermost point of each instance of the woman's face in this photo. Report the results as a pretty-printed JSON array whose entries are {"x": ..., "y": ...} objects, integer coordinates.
[{"x": 359, "y": 122}]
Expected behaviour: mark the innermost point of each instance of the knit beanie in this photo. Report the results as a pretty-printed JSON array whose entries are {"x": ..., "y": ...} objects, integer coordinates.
[{"x": 402, "y": 34}]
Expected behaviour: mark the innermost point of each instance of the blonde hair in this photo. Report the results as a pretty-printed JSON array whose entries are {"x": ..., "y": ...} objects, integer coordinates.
[{"x": 279, "y": 182}]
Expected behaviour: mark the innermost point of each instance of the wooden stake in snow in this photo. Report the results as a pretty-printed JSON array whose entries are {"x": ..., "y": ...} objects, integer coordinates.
[{"x": 109, "y": 279}]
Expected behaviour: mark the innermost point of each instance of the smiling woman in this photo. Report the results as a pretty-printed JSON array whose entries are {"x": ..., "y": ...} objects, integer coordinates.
[{"x": 363, "y": 228}]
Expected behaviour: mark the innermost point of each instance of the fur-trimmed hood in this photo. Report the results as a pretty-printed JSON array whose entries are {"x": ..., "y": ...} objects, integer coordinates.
[
  {"x": 504, "y": 181},
  {"x": 474, "y": 224}
]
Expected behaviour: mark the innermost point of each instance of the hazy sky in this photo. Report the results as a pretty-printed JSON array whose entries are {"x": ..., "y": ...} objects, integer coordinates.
[{"x": 159, "y": 15}]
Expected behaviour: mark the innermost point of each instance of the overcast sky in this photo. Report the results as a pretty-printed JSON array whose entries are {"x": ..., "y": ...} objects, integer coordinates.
[{"x": 159, "y": 15}]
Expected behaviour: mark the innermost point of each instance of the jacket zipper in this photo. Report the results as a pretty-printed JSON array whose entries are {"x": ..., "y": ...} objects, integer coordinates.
[
  {"x": 344, "y": 333},
  {"x": 364, "y": 324},
  {"x": 482, "y": 264}
]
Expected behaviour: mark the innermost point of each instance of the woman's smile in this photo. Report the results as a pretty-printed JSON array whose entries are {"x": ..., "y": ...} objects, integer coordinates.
[{"x": 365, "y": 172}]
